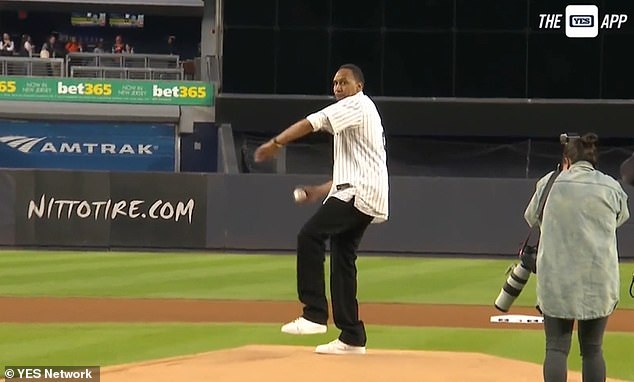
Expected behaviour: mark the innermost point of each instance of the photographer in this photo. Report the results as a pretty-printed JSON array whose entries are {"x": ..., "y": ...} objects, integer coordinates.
[{"x": 577, "y": 259}]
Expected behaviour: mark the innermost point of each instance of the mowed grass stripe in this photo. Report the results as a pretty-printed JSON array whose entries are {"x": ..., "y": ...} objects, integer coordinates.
[
  {"x": 81, "y": 267},
  {"x": 146, "y": 275},
  {"x": 126, "y": 269},
  {"x": 11, "y": 263},
  {"x": 160, "y": 279},
  {"x": 433, "y": 280},
  {"x": 10, "y": 260}
]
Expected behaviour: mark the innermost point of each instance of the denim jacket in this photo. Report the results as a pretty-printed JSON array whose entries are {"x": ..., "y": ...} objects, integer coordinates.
[{"x": 577, "y": 258}]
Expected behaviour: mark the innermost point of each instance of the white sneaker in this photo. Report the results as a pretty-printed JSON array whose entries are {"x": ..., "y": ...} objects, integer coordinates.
[
  {"x": 303, "y": 326},
  {"x": 338, "y": 347}
]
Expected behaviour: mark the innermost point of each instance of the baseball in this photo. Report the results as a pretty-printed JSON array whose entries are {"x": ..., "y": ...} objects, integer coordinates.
[{"x": 300, "y": 194}]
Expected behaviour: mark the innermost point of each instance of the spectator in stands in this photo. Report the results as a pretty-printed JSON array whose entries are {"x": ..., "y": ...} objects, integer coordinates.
[
  {"x": 73, "y": 46},
  {"x": 48, "y": 49},
  {"x": 7, "y": 47},
  {"x": 26, "y": 46},
  {"x": 99, "y": 47},
  {"x": 60, "y": 46},
  {"x": 171, "y": 48},
  {"x": 119, "y": 46}
]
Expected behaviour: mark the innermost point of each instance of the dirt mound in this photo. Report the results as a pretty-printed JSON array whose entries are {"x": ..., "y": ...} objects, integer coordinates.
[{"x": 292, "y": 364}]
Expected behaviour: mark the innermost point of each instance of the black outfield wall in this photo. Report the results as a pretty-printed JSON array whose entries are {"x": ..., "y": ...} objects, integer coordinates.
[{"x": 453, "y": 216}]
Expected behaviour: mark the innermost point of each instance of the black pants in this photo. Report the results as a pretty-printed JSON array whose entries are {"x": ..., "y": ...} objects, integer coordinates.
[
  {"x": 558, "y": 339},
  {"x": 345, "y": 225}
]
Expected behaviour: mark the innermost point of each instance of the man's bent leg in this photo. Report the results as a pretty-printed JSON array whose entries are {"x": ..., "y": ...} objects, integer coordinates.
[
  {"x": 331, "y": 218},
  {"x": 343, "y": 280},
  {"x": 311, "y": 254}
]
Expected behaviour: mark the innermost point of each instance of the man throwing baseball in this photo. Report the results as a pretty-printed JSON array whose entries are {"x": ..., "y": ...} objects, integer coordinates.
[{"x": 356, "y": 197}]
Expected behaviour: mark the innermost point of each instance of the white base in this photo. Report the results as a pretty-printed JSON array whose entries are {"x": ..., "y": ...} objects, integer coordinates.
[{"x": 517, "y": 319}]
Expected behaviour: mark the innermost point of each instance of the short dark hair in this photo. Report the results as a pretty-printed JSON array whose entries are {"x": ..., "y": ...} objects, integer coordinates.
[
  {"x": 356, "y": 72},
  {"x": 583, "y": 149}
]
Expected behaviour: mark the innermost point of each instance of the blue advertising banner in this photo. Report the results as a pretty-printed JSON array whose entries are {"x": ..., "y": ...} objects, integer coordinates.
[{"x": 87, "y": 146}]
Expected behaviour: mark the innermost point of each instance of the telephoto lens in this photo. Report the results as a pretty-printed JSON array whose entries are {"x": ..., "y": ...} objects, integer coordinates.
[{"x": 518, "y": 277}]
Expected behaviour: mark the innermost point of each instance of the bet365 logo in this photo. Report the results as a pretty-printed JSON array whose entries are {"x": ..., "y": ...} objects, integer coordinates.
[
  {"x": 582, "y": 21},
  {"x": 179, "y": 92},
  {"x": 89, "y": 89}
]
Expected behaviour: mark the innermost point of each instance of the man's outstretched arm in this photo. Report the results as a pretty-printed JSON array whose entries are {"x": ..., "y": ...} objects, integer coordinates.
[{"x": 270, "y": 149}]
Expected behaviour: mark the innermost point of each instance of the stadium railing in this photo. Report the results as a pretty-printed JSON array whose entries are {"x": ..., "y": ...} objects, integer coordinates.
[
  {"x": 135, "y": 60},
  {"x": 32, "y": 67},
  {"x": 126, "y": 73}
]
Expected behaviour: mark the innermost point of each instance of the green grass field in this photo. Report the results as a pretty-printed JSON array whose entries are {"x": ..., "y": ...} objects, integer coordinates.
[
  {"x": 261, "y": 277},
  {"x": 248, "y": 277}
]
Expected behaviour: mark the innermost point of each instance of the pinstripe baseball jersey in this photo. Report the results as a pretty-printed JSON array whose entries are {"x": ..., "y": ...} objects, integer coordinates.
[{"x": 360, "y": 160}]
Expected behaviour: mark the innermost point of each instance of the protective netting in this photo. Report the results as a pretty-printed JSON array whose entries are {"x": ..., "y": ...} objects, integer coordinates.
[{"x": 440, "y": 156}]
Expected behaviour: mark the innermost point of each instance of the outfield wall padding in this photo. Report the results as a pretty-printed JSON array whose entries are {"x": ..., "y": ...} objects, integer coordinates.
[
  {"x": 452, "y": 216},
  {"x": 105, "y": 209}
]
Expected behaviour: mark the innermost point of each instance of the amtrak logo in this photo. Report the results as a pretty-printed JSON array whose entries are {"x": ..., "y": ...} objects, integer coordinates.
[{"x": 26, "y": 145}]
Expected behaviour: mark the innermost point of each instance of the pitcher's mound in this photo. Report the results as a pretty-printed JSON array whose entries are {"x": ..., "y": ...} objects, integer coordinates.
[{"x": 292, "y": 364}]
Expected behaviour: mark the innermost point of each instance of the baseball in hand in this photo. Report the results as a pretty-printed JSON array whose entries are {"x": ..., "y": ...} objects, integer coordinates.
[{"x": 299, "y": 194}]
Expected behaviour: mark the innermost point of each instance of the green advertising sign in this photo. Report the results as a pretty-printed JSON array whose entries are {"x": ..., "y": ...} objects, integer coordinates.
[{"x": 106, "y": 90}]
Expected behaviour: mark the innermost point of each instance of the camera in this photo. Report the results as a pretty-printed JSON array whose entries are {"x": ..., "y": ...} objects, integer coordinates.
[
  {"x": 515, "y": 282},
  {"x": 518, "y": 276},
  {"x": 567, "y": 137}
]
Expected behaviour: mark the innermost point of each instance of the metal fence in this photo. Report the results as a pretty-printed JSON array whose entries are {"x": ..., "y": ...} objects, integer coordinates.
[
  {"x": 101, "y": 65},
  {"x": 32, "y": 66},
  {"x": 111, "y": 60},
  {"x": 126, "y": 73}
]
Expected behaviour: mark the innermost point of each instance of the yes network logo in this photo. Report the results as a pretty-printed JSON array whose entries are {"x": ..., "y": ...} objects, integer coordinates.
[{"x": 582, "y": 21}]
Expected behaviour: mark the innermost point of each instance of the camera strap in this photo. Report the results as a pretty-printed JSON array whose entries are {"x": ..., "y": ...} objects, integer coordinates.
[{"x": 542, "y": 201}]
